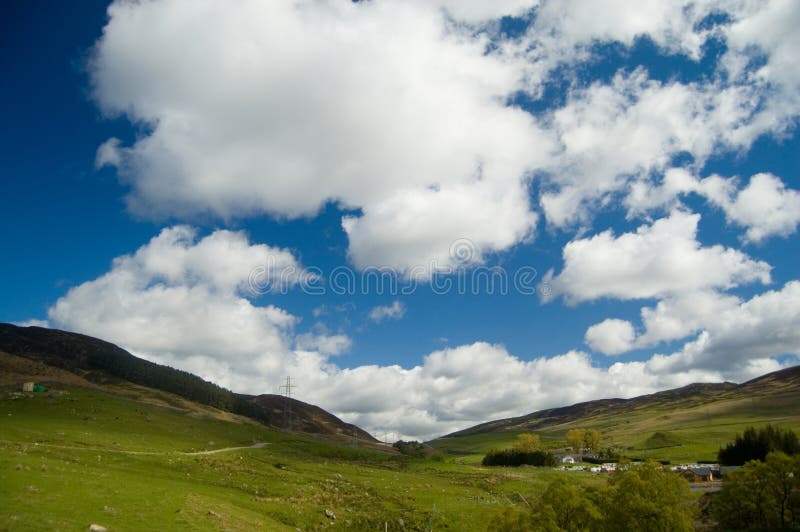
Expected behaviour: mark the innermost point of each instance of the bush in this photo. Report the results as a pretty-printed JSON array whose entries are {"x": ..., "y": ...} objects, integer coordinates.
[
  {"x": 515, "y": 457},
  {"x": 410, "y": 448}
]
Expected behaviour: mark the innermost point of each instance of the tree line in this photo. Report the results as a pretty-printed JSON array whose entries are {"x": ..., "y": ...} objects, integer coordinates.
[{"x": 756, "y": 444}]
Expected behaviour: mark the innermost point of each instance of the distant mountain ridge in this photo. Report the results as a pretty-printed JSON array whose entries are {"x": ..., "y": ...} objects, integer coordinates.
[
  {"x": 690, "y": 396},
  {"x": 99, "y": 361}
]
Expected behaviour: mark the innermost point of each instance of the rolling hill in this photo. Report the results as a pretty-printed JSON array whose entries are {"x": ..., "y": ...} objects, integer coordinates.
[
  {"x": 65, "y": 357},
  {"x": 688, "y": 423},
  {"x": 97, "y": 448}
]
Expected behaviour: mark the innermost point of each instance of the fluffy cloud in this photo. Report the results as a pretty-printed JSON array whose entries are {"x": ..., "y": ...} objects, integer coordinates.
[
  {"x": 673, "y": 318},
  {"x": 655, "y": 261},
  {"x": 733, "y": 336},
  {"x": 742, "y": 337},
  {"x": 611, "y": 336},
  {"x": 671, "y": 25},
  {"x": 762, "y": 48},
  {"x": 281, "y": 108},
  {"x": 180, "y": 298},
  {"x": 458, "y": 387},
  {"x": 620, "y": 138},
  {"x": 395, "y": 311},
  {"x": 630, "y": 129},
  {"x": 398, "y": 110},
  {"x": 415, "y": 231},
  {"x": 765, "y": 206},
  {"x": 612, "y": 132}
]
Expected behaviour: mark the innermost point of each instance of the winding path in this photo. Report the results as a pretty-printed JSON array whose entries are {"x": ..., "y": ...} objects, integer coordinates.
[{"x": 259, "y": 445}]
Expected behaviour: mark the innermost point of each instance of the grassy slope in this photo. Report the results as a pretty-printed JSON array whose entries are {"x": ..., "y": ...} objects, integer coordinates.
[
  {"x": 692, "y": 427},
  {"x": 47, "y": 484}
]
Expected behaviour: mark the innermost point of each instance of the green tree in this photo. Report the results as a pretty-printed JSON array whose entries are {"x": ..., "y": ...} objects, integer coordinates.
[
  {"x": 761, "y": 495},
  {"x": 569, "y": 507},
  {"x": 649, "y": 497}
]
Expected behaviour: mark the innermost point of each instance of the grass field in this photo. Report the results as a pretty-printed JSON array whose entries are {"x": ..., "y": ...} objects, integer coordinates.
[
  {"x": 129, "y": 458},
  {"x": 65, "y": 463}
]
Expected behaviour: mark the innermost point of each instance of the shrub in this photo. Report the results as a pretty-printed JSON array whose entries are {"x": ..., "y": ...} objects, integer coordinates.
[
  {"x": 410, "y": 448},
  {"x": 515, "y": 457}
]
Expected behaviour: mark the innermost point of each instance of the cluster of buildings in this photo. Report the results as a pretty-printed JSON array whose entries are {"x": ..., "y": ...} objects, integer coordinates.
[{"x": 691, "y": 472}]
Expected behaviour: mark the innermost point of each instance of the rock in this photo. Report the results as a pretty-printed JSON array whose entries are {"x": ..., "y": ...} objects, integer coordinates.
[
  {"x": 330, "y": 515},
  {"x": 212, "y": 513},
  {"x": 108, "y": 509},
  {"x": 338, "y": 475},
  {"x": 97, "y": 528}
]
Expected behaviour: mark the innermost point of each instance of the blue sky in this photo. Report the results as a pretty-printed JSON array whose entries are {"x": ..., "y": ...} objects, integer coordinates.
[{"x": 641, "y": 160}]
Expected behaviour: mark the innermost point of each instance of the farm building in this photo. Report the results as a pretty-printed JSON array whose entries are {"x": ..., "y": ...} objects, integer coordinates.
[{"x": 698, "y": 474}]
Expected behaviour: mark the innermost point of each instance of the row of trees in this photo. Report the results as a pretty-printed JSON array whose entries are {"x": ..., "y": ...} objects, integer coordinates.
[
  {"x": 761, "y": 495},
  {"x": 643, "y": 497},
  {"x": 756, "y": 444},
  {"x": 516, "y": 457},
  {"x": 527, "y": 450}
]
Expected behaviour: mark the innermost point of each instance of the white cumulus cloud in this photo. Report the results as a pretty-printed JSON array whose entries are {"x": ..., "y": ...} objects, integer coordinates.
[
  {"x": 765, "y": 206},
  {"x": 611, "y": 336},
  {"x": 282, "y": 107},
  {"x": 655, "y": 261}
]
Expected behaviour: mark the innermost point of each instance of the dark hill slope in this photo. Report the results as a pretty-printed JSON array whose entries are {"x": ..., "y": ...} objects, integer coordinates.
[{"x": 101, "y": 362}]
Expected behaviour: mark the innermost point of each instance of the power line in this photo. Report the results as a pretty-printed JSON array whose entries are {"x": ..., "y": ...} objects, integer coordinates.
[{"x": 287, "y": 402}]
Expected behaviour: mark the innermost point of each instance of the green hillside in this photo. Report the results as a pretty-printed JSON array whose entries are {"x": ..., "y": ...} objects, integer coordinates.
[
  {"x": 87, "y": 360},
  {"x": 76, "y": 456},
  {"x": 686, "y": 424}
]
